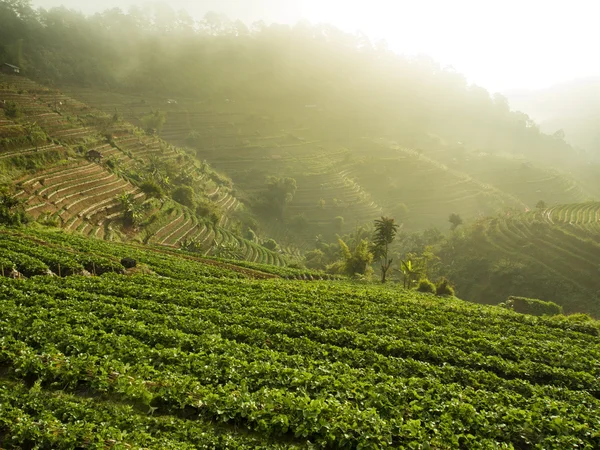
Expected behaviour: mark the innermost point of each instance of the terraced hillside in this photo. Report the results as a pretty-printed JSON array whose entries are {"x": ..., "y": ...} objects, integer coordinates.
[
  {"x": 341, "y": 174},
  {"x": 514, "y": 175},
  {"x": 209, "y": 355},
  {"x": 43, "y": 155},
  {"x": 552, "y": 254},
  {"x": 249, "y": 145}
]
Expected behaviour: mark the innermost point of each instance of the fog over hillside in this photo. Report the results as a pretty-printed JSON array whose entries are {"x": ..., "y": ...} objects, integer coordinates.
[
  {"x": 500, "y": 45},
  {"x": 573, "y": 107}
]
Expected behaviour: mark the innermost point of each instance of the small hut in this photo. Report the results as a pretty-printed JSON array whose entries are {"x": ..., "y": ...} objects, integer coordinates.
[{"x": 10, "y": 69}]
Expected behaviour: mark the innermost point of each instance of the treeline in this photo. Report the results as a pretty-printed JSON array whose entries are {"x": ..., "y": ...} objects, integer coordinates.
[{"x": 357, "y": 86}]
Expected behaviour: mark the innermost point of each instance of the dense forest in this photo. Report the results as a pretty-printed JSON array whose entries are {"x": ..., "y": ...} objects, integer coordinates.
[{"x": 360, "y": 86}]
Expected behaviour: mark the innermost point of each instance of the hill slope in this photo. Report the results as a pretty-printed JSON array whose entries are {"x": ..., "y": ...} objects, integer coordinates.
[
  {"x": 300, "y": 102},
  {"x": 44, "y": 157},
  {"x": 355, "y": 175},
  {"x": 552, "y": 254},
  {"x": 219, "y": 359},
  {"x": 572, "y": 107}
]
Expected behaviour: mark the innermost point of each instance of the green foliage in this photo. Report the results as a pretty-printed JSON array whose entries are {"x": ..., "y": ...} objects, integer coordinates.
[
  {"x": 444, "y": 288},
  {"x": 426, "y": 286},
  {"x": 455, "y": 221},
  {"x": 208, "y": 211},
  {"x": 532, "y": 306},
  {"x": 12, "y": 110},
  {"x": 541, "y": 205},
  {"x": 279, "y": 192},
  {"x": 338, "y": 224},
  {"x": 385, "y": 233},
  {"x": 11, "y": 209},
  {"x": 193, "y": 139},
  {"x": 271, "y": 244},
  {"x": 316, "y": 259},
  {"x": 259, "y": 360},
  {"x": 357, "y": 261},
  {"x": 35, "y": 134},
  {"x": 48, "y": 220},
  {"x": 152, "y": 189},
  {"x": 154, "y": 122},
  {"x": 229, "y": 250},
  {"x": 185, "y": 196},
  {"x": 299, "y": 222},
  {"x": 133, "y": 211},
  {"x": 411, "y": 272}
]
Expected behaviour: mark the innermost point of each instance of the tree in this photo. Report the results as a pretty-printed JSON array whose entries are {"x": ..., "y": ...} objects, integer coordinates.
[
  {"x": 184, "y": 195},
  {"x": 271, "y": 244},
  {"x": 356, "y": 262},
  {"x": 541, "y": 205},
  {"x": 152, "y": 189},
  {"x": 279, "y": 192},
  {"x": 338, "y": 224},
  {"x": 12, "y": 110},
  {"x": 455, "y": 221},
  {"x": 132, "y": 211},
  {"x": 209, "y": 211},
  {"x": 400, "y": 210},
  {"x": 35, "y": 135},
  {"x": 315, "y": 259},
  {"x": 154, "y": 122},
  {"x": 11, "y": 209},
  {"x": 385, "y": 233}
]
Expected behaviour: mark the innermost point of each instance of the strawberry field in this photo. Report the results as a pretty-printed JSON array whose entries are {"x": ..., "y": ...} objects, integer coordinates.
[{"x": 190, "y": 355}]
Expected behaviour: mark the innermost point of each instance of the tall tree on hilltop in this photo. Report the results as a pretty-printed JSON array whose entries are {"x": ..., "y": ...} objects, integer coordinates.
[{"x": 385, "y": 232}]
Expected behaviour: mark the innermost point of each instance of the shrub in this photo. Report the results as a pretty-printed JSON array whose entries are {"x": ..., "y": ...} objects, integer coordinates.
[
  {"x": 583, "y": 323},
  {"x": 444, "y": 287},
  {"x": 11, "y": 210},
  {"x": 426, "y": 286},
  {"x": 271, "y": 244},
  {"x": 209, "y": 211},
  {"x": 193, "y": 139},
  {"x": 315, "y": 259},
  {"x": 338, "y": 223},
  {"x": 128, "y": 263},
  {"x": 532, "y": 306},
  {"x": 12, "y": 110},
  {"x": 154, "y": 122},
  {"x": 152, "y": 189},
  {"x": 184, "y": 195}
]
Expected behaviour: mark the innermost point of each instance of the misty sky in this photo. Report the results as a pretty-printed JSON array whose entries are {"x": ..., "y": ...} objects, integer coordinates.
[{"x": 498, "y": 44}]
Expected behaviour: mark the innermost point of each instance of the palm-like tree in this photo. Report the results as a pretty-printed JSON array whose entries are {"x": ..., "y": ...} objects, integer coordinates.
[{"x": 385, "y": 232}]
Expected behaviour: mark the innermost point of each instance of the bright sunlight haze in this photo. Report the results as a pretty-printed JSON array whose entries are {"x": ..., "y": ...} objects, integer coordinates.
[{"x": 498, "y": 45}]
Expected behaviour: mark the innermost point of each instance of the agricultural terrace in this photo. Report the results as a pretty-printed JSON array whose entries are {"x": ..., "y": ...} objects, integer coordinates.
[
  {"x": 525, "y": 180},
  {"x": 64, "y": 188},
  {"x": 553, "y": 253},
  {"x": 344, "y": 174}
]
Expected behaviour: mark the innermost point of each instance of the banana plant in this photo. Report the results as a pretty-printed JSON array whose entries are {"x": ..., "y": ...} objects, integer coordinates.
[{"x": 410, "y": 271}]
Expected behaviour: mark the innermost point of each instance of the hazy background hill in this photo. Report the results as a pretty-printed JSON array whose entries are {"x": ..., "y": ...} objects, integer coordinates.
[{"x": 572, "y": 107}]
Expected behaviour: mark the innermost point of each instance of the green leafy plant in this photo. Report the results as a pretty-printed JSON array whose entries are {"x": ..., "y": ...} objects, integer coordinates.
[
  {"x": 444, "y": 288},
  {"x": 426, "y": 286}
]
